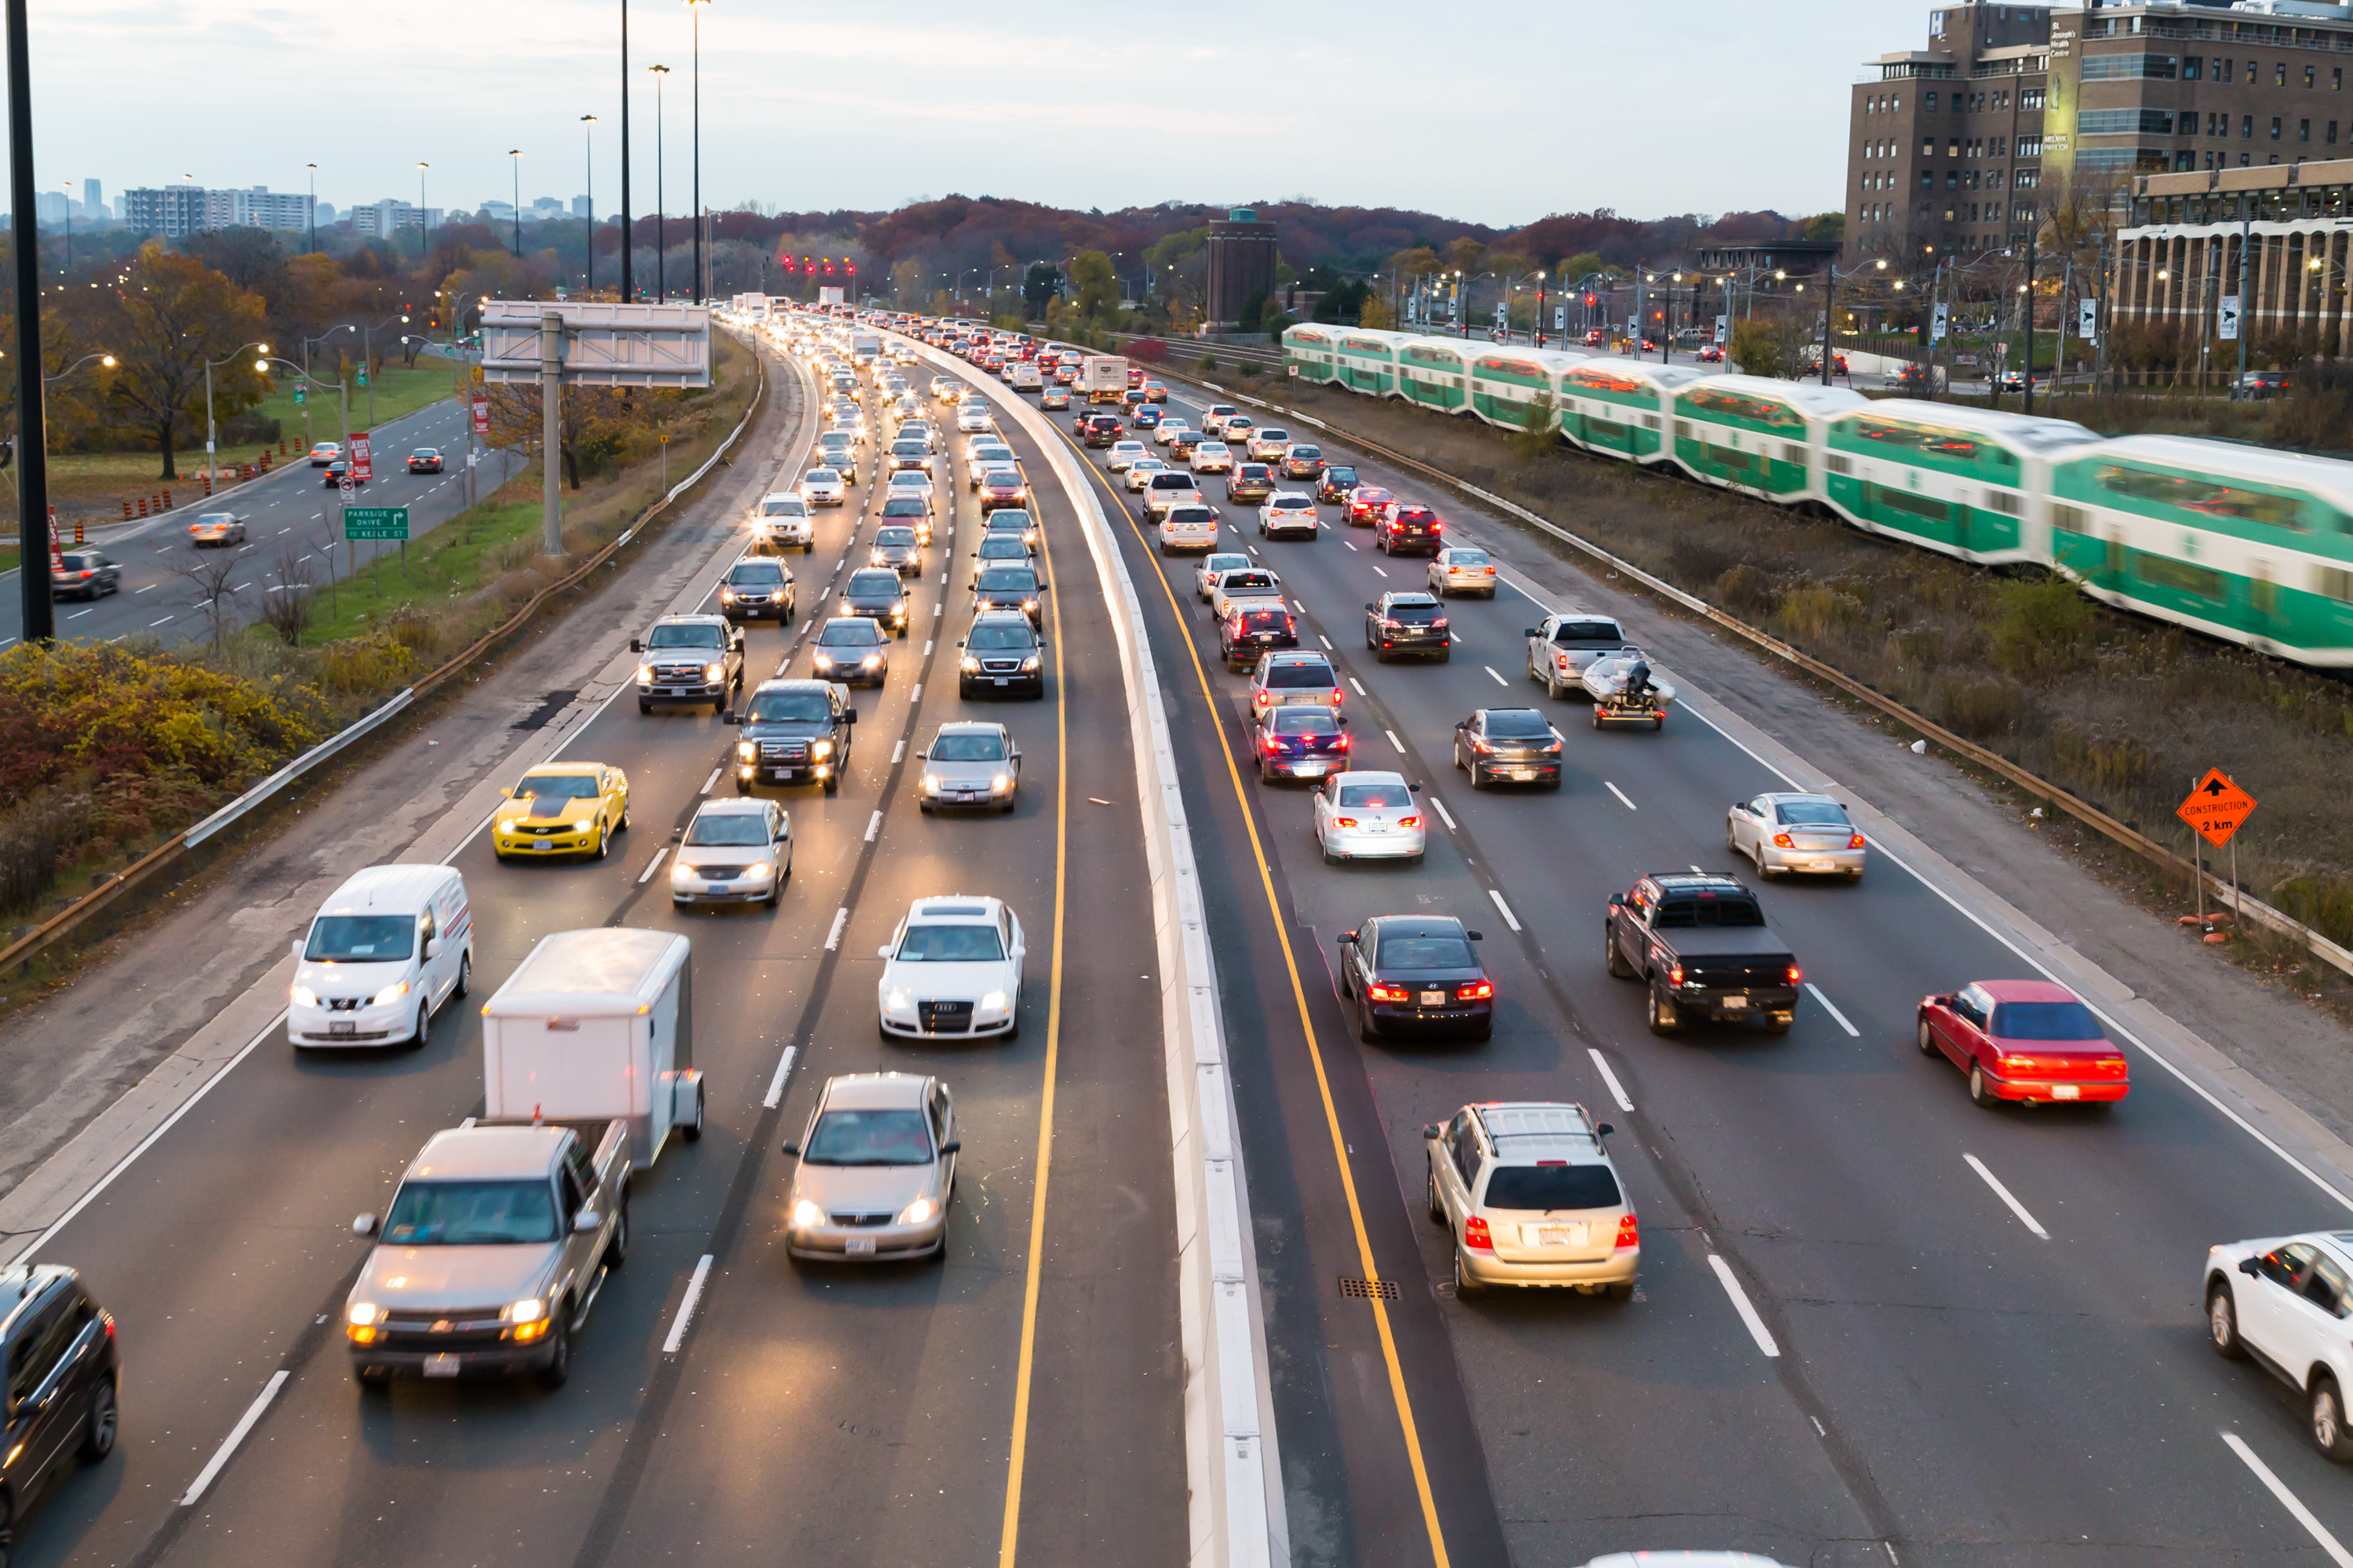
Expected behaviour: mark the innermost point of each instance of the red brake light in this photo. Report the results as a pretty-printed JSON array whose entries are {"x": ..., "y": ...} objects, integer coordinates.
[
  {"x": 1854, "y": 841},
  {"x": 1478, "y": 992},
  {"x": 1344, "y": 822},
  {"x": 1341, "y": 744},
  {"x": 1474, "y": 1235},
  {"x": 1675, "y": 975},
  {"x": 1409, "y": 822},
  {"x": 1385, "y": 992},
  {"x": 1336, "y": 697},
  {"x": 1796, "y": 975},
  {"x": 1628, "y": 1233},
  {"x": 1781, "y": 841}
]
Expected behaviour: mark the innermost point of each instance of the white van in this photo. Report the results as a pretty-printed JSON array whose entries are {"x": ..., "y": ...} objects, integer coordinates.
[
  {"x": 1022, "y": 375},
  {"x": 385, "y": 951},
  {"x": 784, "y": 519}
]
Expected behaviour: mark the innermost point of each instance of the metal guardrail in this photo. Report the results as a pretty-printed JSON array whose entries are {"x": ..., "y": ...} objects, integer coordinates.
[
  {"x": 2092, "y": 817},
  {"x": 181, "y": 843}
]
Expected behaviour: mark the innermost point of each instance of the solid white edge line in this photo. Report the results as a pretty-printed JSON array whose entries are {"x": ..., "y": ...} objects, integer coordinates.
[
  {"x": 1621, "y": 793},
  {"x": 1499, "y": 680},
  {"x": 1617, "y": 1090},
  {"x": 711, "y": 781},
  {"x": 1832, "y": 1008},
  {"x": 1395, "y": 742},
  {"x": 2288, "y": 1500},
  {"x": 873, "y": 826},
  {"x": 2181, "y": 1075},
  {"x": 833, "y": 937},
  {"x": 245, "y": 1424},
  {"x": 1509, "y": 918},
  {"x": 653, "y": 865},
  {"x": 1740, "y": 1303},
  {"x": 686, "y": 1305},
  {"x": 2003, "y": 1193},
  {"x": 1443, "y": 814},
  {"x": 777, "y": 1085}
]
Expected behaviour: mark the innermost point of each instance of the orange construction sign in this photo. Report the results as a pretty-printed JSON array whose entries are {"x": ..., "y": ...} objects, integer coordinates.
[{"x": 2216, "y": 808}]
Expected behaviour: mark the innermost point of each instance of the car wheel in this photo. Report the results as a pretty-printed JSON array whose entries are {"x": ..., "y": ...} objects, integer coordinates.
[
  {"x": 465, "y": 974},
  {"x": 692, "y": 1131},
  {"x": 372, "y": 1379},
  {"x": 644, "y": 706},
  {"x": 1763, "y": 873},
  {"x": 1658, "y": 721},
  {"x": 559, "y": 1360},
  {"x": 1552, "y": 688},
  {"x": 1927, "y": 1041},
  {"x": 833, "y": 784},
  {"x": 2327, "y": 1409},
  {"x": 1597, "y": 716},
  {"x": 1980, "y": 1095},
  {"x": 1465, "y": 1288},
  {"x": 623, "y": 826},
  {"x": 1611, "y": 959},
  {"x": 1367, "y": 1026},
  {"x": 1429, "y": 1195},
  {"x": 742, "y": 784},
  {"x": 616, "y": 1251},
  {"x": 1659, "y": 1016},
  {"x": 98, "y": 1432},
  {"x": 1478, "y": 779},
  {"x": 604, "y": 840},
  {"x": 2223, "y": 1322},
  {"x": 424, "y": 1026}
]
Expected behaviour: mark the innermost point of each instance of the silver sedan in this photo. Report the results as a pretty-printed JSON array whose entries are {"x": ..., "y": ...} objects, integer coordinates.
[
  {"x": 877, "y": 1171},
  {"x": 970, "y": 763},
  {"x": 1795, "y": 833},
  {"x": 1369, "y": 816},
  {"x": 1458, "y": 569},
  {"x": 822, "y": 486}
]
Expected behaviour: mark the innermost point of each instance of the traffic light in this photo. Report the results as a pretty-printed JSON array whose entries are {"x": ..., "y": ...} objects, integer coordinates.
[{"x": 1591, "y": 300}]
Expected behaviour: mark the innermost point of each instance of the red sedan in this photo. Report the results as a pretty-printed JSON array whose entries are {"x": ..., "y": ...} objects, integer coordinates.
[
  {"x": 2024, "y": 1039},
  {"x": 1368, "y": 504}
]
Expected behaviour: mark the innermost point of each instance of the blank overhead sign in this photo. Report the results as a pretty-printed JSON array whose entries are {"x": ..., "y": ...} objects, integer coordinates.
[{"x": 604, "y": 346}]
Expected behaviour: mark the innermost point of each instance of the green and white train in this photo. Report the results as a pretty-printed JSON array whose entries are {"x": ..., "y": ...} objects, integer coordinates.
[{"x": 2242, "y": 544}]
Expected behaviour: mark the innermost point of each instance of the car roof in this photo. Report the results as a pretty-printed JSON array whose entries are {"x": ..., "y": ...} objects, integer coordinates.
[
  {"x": 974, "y": 726},
  {"x": 1368, "y": 776},
  {"x": 494, "y": 1153},
  {"x": 732, "y": 806},
  {"x": 2025, "y": 991},
  {"x": 1697, "y": 882},
  {"x": 1541, "y": 1133},
  {"x": 561, "y": 770},
  {"x": 1421, "y": 925},
  {"x": 1298, "y": 656},
  {"x": 953, "y": 907},
  {"x": 696, "y": 618},
  {"x": 851, "y": 621},
  {"x": 387, "y": 888},
  {"x": 1423, "y": 596},
  {"x": 797, "y": 683},
  {"x": 876, "y": 1091}
]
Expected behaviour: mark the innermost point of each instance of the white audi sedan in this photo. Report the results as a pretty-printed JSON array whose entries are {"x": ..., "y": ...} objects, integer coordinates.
[
  {"x": 1369, "y": 815},
  {"x": 952, "y": 971}
]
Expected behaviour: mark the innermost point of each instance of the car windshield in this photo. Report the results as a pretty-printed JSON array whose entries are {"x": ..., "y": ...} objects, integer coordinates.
[
  {"x": 1224, "y": 562},
  {"x": 790, "y": 707},
  {"x": 1434, "y": 950},
  {"x": 869, "y": 1137},
  {"x": 1305, "y": 721},
  {"x": 360, "y": 939},
  {"x": 874, "y": 580},
  {"x": 1413, "y": 614},
  {"x": 951, "y": 945},
  {"x": 910, "y": 448},
  {"x": 757, "y": 574},
  {"x": 850, "y": 633},
  {"x": 734, "y": 829},
  {"x": 891, "y": 536},
  {"x": 1604, "y": 634},
  {"x": 1339, "y": 476},
  {"x": 968, "y": 747},
  {"x": 687, "y": 636},
  {"x": 1523, "y": 726},
  {"x": 2045, "y": 1021},
  {"x": 425, "y": 452},
  {"x": 1813, "y": 814},
  {"x": 470, "y": 1214},
  {"x": 823, "y": 477},
  {"x": 1547, "y": 1187},
  {"x": 1004, "y": 547},
  {"x": 999, "y": 635},
  {"x": 560, "y": 787},
  {"x": 1298, "y": 677},
  {"x": 1008, "y": 579},
  {"x": 1374, "y": 795}
]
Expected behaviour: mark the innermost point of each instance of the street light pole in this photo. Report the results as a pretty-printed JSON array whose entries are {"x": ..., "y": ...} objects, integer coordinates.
[
  {"x": 694, "y": 8},
  {"x": 212, "y": 433},
  {"x": 588, "y": 141},
  {"x": 661, "y": 202},
  {"x": 39, "y": 615},
  {"x": 516, "y": 153},
  {"x": 424, "y": 218},
  {"x": 314, "y": 169}
]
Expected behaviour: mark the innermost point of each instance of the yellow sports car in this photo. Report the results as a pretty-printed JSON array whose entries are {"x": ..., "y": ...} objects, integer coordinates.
[{"x": 561, "y": 807}]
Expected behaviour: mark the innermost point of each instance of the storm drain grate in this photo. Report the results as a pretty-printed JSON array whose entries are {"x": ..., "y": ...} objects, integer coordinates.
[{"x": 1368, "y": 1289}]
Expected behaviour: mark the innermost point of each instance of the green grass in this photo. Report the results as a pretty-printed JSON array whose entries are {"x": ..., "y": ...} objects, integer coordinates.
[
  {"x": 398, "y": 391},
  {"x": 445, "y": 566}
]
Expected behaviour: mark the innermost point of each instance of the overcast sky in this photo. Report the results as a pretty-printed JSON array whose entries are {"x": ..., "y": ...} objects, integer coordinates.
[{"x": 1495, "y": 114}]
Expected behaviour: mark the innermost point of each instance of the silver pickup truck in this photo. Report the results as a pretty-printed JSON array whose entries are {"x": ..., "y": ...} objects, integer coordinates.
[
  {"x": 1561, "y": 647},
  {"x": 492, "y": 1252}
]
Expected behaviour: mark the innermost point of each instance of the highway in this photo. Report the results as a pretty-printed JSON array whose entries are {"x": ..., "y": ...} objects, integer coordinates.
[
  {"x": 290, "y": 509},
  {"x": 809, "y": 1413},
  {"x": 1848, "y": 1346}
]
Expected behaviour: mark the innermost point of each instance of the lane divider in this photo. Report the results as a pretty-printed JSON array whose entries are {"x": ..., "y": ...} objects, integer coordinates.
[
  {"x": 2290, "y": 1501},
  {"x": 1509, "y": 918},
  {"x": 775, "y": 1095},
  {"x": 686, "y": 1307},
  {"x": 660, "y": 855},
  {"x": 1617, "y": 1090},
  {"x": 2024, "y": 1218},
  {"x": 833, "y": 937},
  {"x": 236, "y": 1434},
  {"x": 1621, "y": 794},
  {"x": 1741, "y": 1304},
  {"x": 1828, "y": 1006}
]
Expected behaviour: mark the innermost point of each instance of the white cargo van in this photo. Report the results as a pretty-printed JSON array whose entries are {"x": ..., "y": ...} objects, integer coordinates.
[
  {"x": 384, "y": 953},
  {"x": 598, "y": 1026}
]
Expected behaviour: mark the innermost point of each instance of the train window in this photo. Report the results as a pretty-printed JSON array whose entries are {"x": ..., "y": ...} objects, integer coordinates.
[
  {"x": 2205, "y": 496},
  {"x": 1741, "y": 405},
  {"x": 1793, "y": 453},
  {"x": 2333, "y": 582},
  {"x": 2007, "y": 501},
  {"x": 1838, "y": 464},
  {"x": 2164, "y": 572}
]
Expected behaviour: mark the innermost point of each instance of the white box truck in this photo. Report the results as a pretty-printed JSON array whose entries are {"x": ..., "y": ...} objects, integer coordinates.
[
  {"x": 598, "y": 1026},
  {"x": 1102, "y": 377}
]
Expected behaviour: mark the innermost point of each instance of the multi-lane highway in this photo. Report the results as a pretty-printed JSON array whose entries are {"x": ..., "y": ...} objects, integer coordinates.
[
  {"x": 291, "y": 511},
  {"x": 1848, "y": 1346},
  {"x": 809, "y": 1414}
]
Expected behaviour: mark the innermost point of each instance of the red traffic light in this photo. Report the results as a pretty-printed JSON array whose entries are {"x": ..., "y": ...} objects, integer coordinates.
[{"x": 1590, "y": 300}]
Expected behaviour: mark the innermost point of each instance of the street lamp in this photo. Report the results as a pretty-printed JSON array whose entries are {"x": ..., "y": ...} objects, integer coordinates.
[
  {"x": 516, "y": 153},
  {"x": 662, "y": 250},
  {"x": 588, "y": 141},
  {"x": 694, "y": 9},
  {"x": 212, "y": 468}
]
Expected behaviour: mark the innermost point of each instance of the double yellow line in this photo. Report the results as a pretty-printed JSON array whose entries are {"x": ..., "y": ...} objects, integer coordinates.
[{"x": 1314, "y": 1051}]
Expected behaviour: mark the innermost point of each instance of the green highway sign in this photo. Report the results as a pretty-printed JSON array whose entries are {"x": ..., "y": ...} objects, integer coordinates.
[
  {"x": 375, "y": 522},
  {"x": 299, "y": 396},
  {"x": 362, "y": 375}
]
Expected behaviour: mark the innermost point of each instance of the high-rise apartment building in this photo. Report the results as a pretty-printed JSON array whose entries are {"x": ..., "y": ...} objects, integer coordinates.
[
  {"x": 172, "y": 210},
  {"x": 389, "y": 218},
  {"x": 176, "y": 211},
  {"x": 93, "y": 201}
]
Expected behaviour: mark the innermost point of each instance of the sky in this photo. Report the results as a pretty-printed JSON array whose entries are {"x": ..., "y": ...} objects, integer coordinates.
[{"x": 1491, "y": 114}]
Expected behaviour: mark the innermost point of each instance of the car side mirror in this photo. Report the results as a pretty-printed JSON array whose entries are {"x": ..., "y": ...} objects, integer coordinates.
[
  {"x": 1020, "y": 951},
  {"x": 1431, "y": 1129},
  {"x": 954, "y": 1145},
  {"x": 1369, "y": 605},
  {"x": 1603, "y": 1131},
  {"x": 433, "y": 947},
  {"x": 637, "y": 644},
  {"x": 1943, "y": 1001},
  {"x": 1016, "y": 753},
  {"x": 924, "y": 755},
  {"x": 1530, "y": 632},
  {"x": 883, "y": 952},
  {"x": 1476, "y": 935},
  {"x": 363, "y": 1224},
  {"x": 1616, "y": 902},
  {"x": 506, "y": 792},
  {"x": 295, "y": 946},
  {"x": 1347, "y": 938},
  {"x": 2249, "y": 1267},
  {"x": 586, "y": 1221},
  {"x": 849, "y": 715},
  {"x": 792, "y": 1148}
]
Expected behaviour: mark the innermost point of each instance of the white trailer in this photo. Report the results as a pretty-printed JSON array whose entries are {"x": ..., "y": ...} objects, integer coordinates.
[
  {"x": 1102, "y": 377},
  {"x": 598, "y": 1026}
]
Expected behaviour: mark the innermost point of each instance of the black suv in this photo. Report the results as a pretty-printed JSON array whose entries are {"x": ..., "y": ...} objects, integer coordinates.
[
  {"x": 63, "y": 1369},
  {"x": 794, "y": 731},
  {"x": 1002, "y": 652},
  {"x": 1410, "y": 527},
  {"x": 1250, "y": 482},
  {"x": 1250, "y": 630},
  {"x": 1101, "y": 429},
  {"x": 1332, "y": 486},
  {"x": 757, "y": 589},
  {"x": 1009, "y": 588},
  {"x": 1407, "y": 622},
  {"x": 688, "y": 660},
  {"x": 880, "y": 593}
]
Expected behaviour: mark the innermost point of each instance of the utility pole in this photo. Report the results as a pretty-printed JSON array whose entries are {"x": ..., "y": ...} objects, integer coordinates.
[
  {"x": 2100, "y": 323},
  {"x": 627, "y": 291},
  {"x": 2028, "y": 395},
  {"x": 551, "y": 433},
  {"x": 588, "y": 141},
  {"x": 2246, "y": 229},
  {"x": 40, "y": 614}
]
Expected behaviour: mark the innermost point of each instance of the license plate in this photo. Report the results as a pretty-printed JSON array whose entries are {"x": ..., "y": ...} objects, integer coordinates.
[
  {"x": 1564, "y": 1236},
  {"x": 1001, "y": 680},
  {"x": 2066, "y": 1091},
  {"x": 441, "y": 1366},
  {"x": 1519, "y": 773},
  {"x": 542, "y": 844},
  {"x": 859, "y": 1247},
  {"x": 1433, "y": 999},
  {"x": 1733, "y": 1003},
  {"x": 338, "y": 1026},
  {"x": 1825, "y": 864},
  {"x": 717, "y": 887}
]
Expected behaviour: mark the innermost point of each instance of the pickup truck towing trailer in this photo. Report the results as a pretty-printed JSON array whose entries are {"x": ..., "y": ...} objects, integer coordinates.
[{"x": 1701, "y": 945}]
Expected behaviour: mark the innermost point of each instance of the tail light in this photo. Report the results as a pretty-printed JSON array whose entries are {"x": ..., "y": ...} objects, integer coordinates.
[
  {"x": 1409, "y": 822},
  {"x": 1344, "y": 822},
  {"x": 1341, "y": 744},
  {"x": 1478, "y": 992},
  {"x": 1781, "y": 841},
  {"x": 1628, "y": 1233},
  {"x": 1796, "y": 975},
  {"x": 2113, "y": 1066},
  {"x": 1262, "y": 699},
  {"x": 1385, "y": 992},
  {"x": 1675, "y": 975},
  {"x": 1854, "y": 841},
  {"x": 1336, "y": 697},
  {"x": 2014, "y": 1063},
  {"x": 1475, "y": 1237}
]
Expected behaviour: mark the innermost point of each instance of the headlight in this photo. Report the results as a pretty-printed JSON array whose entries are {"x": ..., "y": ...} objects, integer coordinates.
[
  {"x": 931, "y": 783},
  {"x": 1000, "y": 784},
  {"x": 1030, "y": 663},
  {"x": 392, "y": 993},
  {"x": 758, "y": 868},
  {"x": 807, "y": 1214},
  {"x": 525, "y": 1312},
  {"x": 745, "y": 750},
  {"x": 869, "y": 661},
  {"x": 993, "y": 1002},
  {"x": 821, "y": 659},
  {"x": 645, "y": 674},
  {"x": 714, "y": 671},
  {"x": 303, "y": 996},
  {"x": 1028, "y": 604},
  {"x": 916, "y": 1213},
  {"x": 970, "y": 664},
  {"x": 726, "y": 593},
  {"x": 365, "y": 1314}
]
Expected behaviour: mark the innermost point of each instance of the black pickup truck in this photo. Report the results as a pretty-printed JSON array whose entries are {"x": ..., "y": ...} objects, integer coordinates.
[{"x": 1702, "y": 946}]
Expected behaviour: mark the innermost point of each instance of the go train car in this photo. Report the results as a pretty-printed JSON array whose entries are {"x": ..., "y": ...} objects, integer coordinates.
[
  {"x": 2245, "y": 544},
  {"x": 1436, "y": 372},
  {"x": 1971, "y": 482},
  {"x": 1618, "y": 407},
  {"x": 1367, "y": 361},
  {"x": 1758, "y": 436},
  {"x": 1505, "y": 381}
]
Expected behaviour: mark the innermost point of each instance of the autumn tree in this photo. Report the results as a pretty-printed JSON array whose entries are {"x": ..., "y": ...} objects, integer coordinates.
[
  {"x": 164, "y": 322},
  {"x": 1098, "y": 284}
]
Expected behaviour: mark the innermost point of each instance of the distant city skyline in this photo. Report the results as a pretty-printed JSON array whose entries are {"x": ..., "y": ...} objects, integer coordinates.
[{"x": 1491, "y": 118}]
